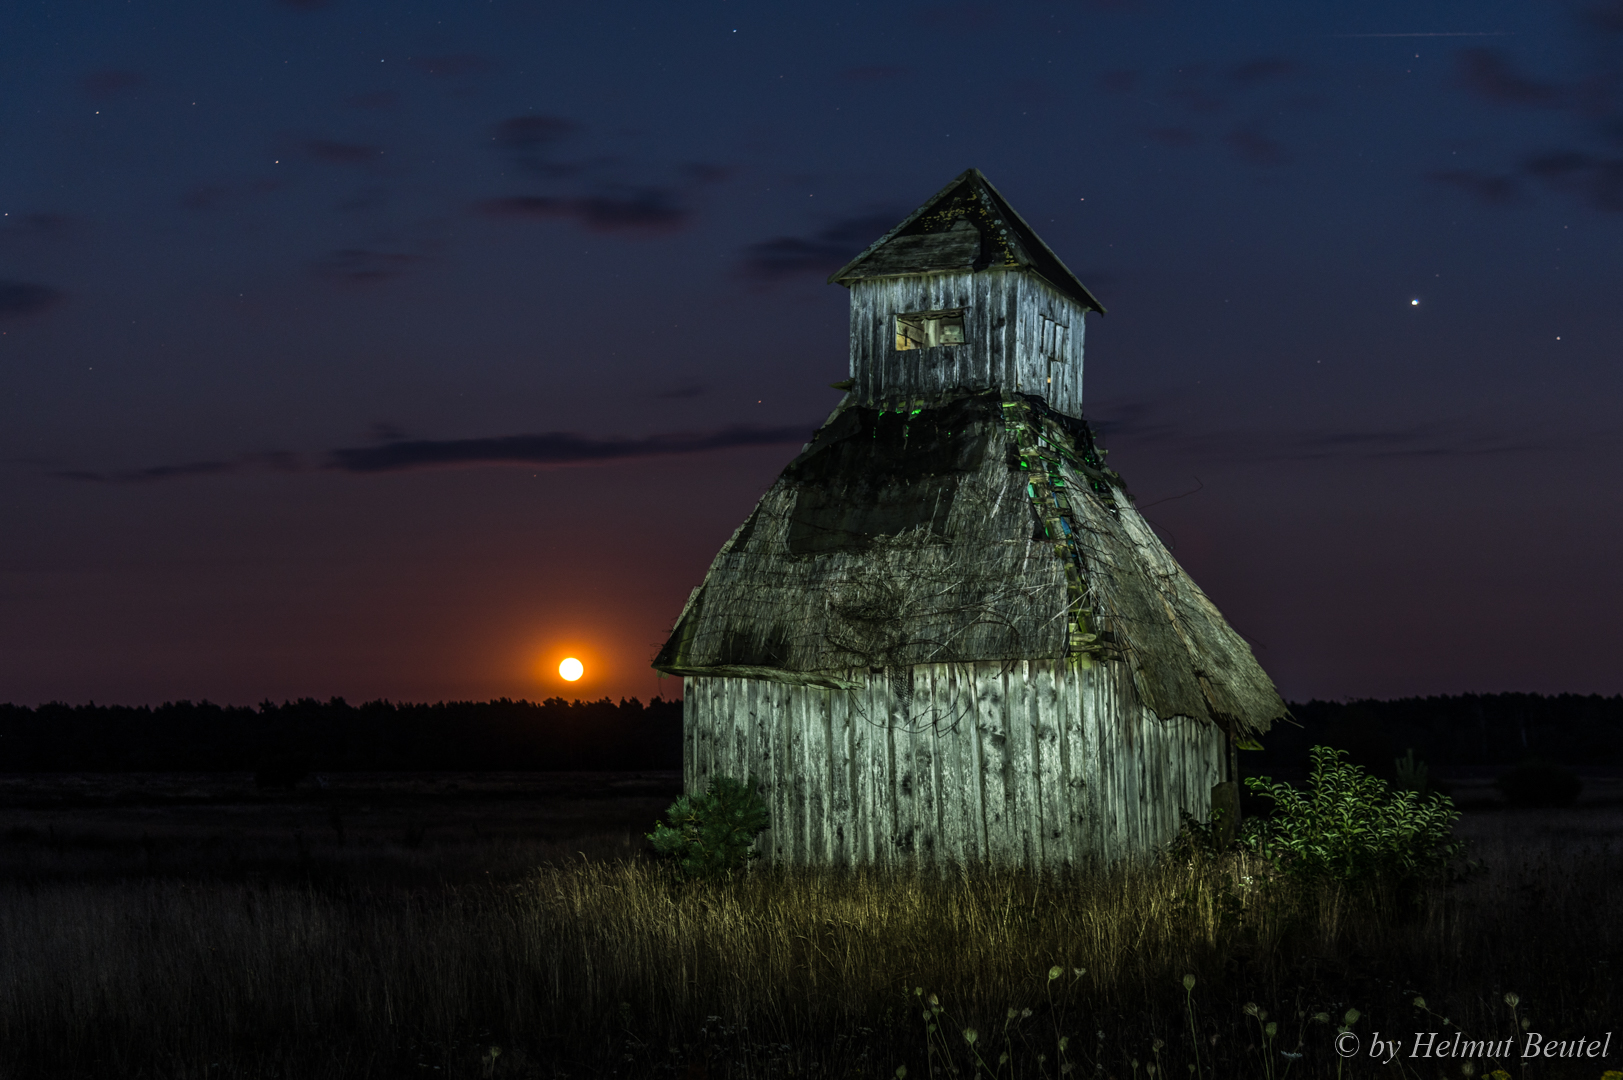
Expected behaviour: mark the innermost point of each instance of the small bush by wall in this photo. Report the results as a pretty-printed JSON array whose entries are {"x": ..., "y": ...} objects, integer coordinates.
[{"x": 713, "y": 835}]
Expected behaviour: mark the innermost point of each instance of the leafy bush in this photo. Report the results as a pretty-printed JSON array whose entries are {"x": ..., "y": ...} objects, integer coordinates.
[
  {"x": 1540, "y": 783},
  {"x": 1349, "y": 827},
  {"x": 712, "y": 835}
]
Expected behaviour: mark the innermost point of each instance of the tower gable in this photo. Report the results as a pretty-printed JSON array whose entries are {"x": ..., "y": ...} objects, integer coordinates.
[
  {"x": 964, "y": 296},
  {"x": 967, "y": 225}
]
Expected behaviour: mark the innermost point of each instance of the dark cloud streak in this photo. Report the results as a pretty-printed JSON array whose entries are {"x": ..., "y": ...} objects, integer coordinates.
[
  {"x": 646, "y": 210},
  {"x": 108, "y": 82},
  {"x": 1484, "y": 187},
  {"x": 1598, "y": 181},
  {"x": 1254, "y": 148},
  {"x": 275, "y": 461},
  {"x": 20, "y": 298},
  {"x": 341, "y": 153},
  {"x": 548, "y": 449},
  {"x": 1490, "y": 75},
  {"x": 553, "y": 448},
  {"x": 785, "y": 257},
  {"x": 364, "y": 265}
]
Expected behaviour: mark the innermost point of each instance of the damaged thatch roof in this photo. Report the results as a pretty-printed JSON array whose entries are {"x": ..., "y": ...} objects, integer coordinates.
[
  {"x": 974, "y": 528},
  {"x": 967, "y": 225}
]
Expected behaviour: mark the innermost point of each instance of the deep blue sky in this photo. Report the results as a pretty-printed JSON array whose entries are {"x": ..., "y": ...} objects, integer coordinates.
[{"x": 286, "y": 287}]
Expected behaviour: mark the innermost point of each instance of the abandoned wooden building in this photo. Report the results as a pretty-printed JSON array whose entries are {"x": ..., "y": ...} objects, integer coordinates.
[{"x": 946, "y": 635}]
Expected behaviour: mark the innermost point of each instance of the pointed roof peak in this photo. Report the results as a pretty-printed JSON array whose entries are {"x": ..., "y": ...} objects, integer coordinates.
[{"x": 967, "y": 225}]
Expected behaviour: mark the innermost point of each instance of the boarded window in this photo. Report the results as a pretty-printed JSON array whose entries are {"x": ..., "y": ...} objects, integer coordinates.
[
  {"x": 927, "y": 329},
  {"x": 1052, "y": 344}
]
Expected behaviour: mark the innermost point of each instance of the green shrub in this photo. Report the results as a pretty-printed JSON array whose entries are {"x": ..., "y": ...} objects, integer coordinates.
[
  {"x": 1349, "y": 827},
  {"x": 713, "y": 834},
  {"x": 1540, "y": 783}
]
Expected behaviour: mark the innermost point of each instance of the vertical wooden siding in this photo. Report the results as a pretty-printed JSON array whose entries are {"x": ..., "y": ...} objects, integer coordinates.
[
  {"x": 1003, "y": 327},
  {"x": 1032, "y": 763}
]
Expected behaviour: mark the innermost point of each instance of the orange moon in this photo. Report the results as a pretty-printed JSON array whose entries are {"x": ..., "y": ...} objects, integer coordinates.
[{"x": 571, "y": 669}]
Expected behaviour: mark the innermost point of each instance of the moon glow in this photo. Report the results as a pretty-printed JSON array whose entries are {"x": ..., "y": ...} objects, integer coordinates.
[{"x": 571, "y": 669}]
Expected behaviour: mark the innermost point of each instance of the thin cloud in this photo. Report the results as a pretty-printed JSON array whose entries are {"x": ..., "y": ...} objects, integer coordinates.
[
  {"x": 365, "y": 265},
  {"x": 1255, "y": 148},
  {"x": 20, "y": 298},
  {"x": 704, "y": 172},
  {"x": 211, "y": 196},
  {"x": 821, "y": 254},
  {"x": 1592, "y": 176},
  {"x": 387, "y": 431},
  {"x": 1597, "y": 180},
  {"x": 646, "y": 210},
  {"x": 1606, "y": 18},
  {"x": 341, "y": 153},
  {"x": 551, "y": 449},
  {"x": 1491, "y": 75},
  {"x": 556, "y": 449},
  {"x": 534, "y": 130},
  {"x": 28, "y": 226},
  {"x": 1261, "y": 69},
  {"x": 1484, "y": 187},
  {"x": 275, "y": 461},
  {"x": 111, "y": 81},
  {"x": 1197, "y": 98},
  {"x": 531, "y": 141}
]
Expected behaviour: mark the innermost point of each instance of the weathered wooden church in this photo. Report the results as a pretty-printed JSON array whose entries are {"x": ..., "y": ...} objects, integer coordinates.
[{"x": 946, "y": 635}]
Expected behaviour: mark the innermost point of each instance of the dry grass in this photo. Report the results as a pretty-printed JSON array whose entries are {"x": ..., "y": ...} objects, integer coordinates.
[{"x": 606, "y": 966}]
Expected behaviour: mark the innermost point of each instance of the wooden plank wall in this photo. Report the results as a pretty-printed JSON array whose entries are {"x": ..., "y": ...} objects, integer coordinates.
[
  {"x": 1003, "y": 325},
  {"x": 1032, "y": 763},
  {"x": 884, "y": 374},
  {"x": 1037, "y": 300}
]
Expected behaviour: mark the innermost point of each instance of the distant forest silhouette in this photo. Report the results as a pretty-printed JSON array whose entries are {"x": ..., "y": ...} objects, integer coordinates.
[
  {"x": 1453, "y": 731},
  {"x": 335, "y": 736},
  {"x": 553, "y": 735}
]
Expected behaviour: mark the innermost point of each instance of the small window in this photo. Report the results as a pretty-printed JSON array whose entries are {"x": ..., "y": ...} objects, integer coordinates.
[
  {"x": 927, "y": 329},
  {"x": 1052, "y": 345}
]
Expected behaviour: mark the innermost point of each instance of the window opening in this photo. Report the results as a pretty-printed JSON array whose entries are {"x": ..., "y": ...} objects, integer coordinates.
[
  {"x": 1052, "y": 342},
  {"x": 927, "y": 329}
]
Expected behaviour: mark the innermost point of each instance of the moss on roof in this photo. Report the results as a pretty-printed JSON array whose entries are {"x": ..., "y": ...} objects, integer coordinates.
[{"x": 977, "y": 527}]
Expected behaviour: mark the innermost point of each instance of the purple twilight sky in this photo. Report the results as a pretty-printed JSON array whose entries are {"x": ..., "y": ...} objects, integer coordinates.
[{"x": 379, "y": 349}]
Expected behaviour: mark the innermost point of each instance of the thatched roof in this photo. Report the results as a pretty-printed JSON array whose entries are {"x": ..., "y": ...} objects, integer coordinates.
[
  {"x": 967, "y": 225},
  {"x": 972, "y": 528}
]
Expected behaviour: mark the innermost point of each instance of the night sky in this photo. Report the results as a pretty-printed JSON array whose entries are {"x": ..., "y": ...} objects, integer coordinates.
[{"x": 402, "y": 349}]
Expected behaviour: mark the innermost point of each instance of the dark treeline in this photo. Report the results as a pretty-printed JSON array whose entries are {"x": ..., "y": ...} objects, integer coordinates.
[
  {"x": 334, "y": 736},
  {"x": 1459, "y": 730}
]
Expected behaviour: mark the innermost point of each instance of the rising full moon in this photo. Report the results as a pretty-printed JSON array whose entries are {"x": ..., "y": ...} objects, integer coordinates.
[{"x": 571, "y": 669}]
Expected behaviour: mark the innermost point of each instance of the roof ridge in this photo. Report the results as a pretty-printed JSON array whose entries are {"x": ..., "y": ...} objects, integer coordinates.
[{"x": 1022, "y": 246}]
